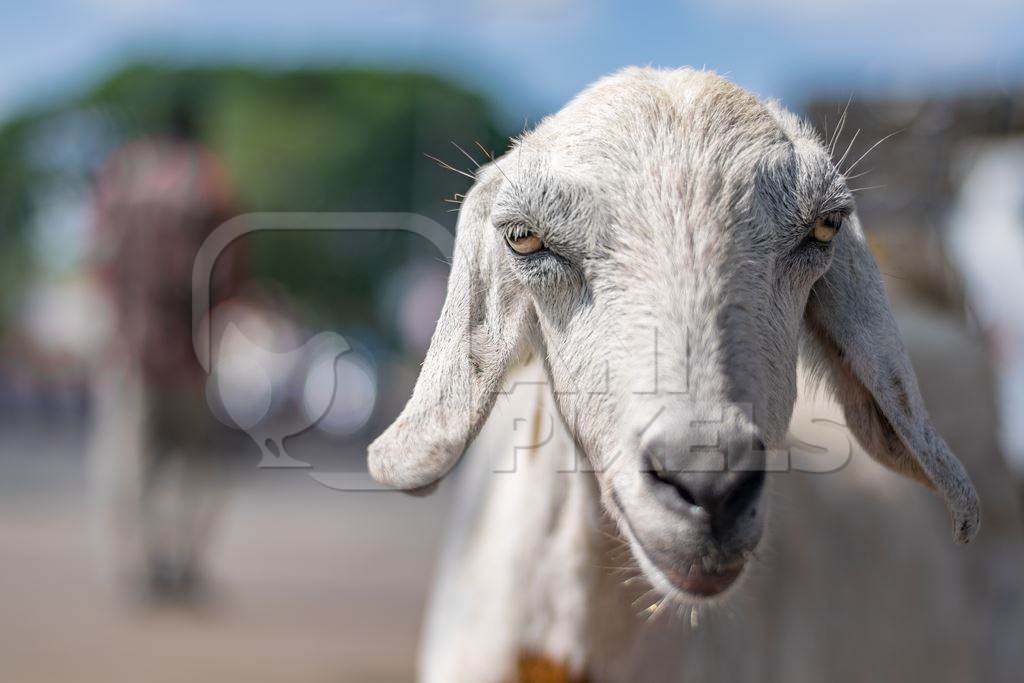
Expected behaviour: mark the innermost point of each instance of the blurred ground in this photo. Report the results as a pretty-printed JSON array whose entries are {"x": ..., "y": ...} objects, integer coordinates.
[
  {"x": 311, "y": 584},
  {"x": 308, "y": 584}
]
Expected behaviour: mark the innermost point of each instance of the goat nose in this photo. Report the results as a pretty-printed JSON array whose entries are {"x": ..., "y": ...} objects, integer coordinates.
[{"x": 720, "y": 495}]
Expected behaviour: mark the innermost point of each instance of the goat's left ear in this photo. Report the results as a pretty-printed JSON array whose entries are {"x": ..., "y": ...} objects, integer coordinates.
[
  {"x": 480, "y": 332},
  {"x": 852, "y": 340}
]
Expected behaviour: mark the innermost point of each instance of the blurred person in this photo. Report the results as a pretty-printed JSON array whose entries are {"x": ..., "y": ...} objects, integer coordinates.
[
  {"x": 156, "y": 201},
  {"x": 986, "y": 239}
]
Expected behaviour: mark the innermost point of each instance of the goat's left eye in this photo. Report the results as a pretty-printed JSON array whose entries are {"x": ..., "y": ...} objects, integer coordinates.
[
  {"x": 525, "y": 243},
  {"x": 826, "y": 228}
]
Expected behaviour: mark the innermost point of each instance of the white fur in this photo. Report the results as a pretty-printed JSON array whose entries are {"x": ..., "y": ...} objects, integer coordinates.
[{"x": 679, "y": 284}]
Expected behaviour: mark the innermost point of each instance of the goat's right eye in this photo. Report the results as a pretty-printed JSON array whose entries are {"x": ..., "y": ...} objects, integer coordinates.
[
  {"x": 524, "y": 243},
  {"x": 826, "y": 227}
]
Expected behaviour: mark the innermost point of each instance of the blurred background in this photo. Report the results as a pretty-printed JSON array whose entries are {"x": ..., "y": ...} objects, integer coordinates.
[{"x": 139, "y": 535}]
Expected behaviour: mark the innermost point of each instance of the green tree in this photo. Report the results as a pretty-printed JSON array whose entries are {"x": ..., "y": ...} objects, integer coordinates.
[{"x": 306, "y": 140}]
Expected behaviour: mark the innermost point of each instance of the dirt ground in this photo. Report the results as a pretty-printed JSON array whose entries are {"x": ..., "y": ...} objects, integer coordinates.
[{"x": 308, "y": 584}]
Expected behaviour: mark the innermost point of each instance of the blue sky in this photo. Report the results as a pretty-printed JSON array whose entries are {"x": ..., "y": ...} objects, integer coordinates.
[{"x": 531, "y": 56}]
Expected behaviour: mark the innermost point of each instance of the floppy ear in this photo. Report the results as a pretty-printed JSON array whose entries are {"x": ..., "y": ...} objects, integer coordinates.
[
  {"x": 478, "y": 335},
  {"x": 853, "y": 341}
]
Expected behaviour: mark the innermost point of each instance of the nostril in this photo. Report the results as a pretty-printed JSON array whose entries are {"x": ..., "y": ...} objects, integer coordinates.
[
  {"x": 679, "y": 486},
  {"x": 655, "y": 469},
  {"x": 745, "y": 492},
  {"x": 723, "y": 494}
]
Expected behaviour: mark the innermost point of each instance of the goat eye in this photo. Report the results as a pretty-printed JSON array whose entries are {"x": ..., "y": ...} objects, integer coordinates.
[
  {"x": 825, "y": 229},
  {"x": 525, "y": 243}
]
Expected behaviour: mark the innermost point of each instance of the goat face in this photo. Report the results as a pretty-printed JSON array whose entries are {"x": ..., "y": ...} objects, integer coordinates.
[{"x": 665, "y": 243}]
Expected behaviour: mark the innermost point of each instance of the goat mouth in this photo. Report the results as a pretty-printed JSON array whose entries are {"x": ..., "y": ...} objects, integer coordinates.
[
  {"x": 696, "y": 582},
  {"x": 703, "y": 583}
]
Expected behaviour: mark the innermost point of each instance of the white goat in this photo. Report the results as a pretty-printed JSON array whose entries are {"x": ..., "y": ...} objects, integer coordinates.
[{"x": 661, "y": 246}]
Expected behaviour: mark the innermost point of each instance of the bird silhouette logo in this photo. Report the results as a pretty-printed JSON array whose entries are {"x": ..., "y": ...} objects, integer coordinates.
[{"x": 251, "y": 385}]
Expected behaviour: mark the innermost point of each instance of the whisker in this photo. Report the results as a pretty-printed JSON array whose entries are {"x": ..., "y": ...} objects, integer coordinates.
[
  {"x": 848, "y": 148},
  {"x": 490, "y": 155},
  {"x": 466, "y": 154},
  {"x": 870, "y": 149},
  {"x": 520, "y": 154},
  {"x": 643, "y": 596},
  {"x": 839, "y": 127},
  {"x": 657, "y": 609},
  {"x": 835, "y": 134},
  {"x": 838, "y": 130},
  {"x": 857, "y": 175},
  {"x": 448, "y": 167},
  {"x": 613, "y": 537}
]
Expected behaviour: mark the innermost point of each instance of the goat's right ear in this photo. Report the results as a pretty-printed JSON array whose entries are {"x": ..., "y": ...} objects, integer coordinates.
[{"x": 478, "y": 335}]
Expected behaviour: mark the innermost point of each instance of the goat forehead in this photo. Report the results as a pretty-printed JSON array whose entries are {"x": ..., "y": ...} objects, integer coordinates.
[
  {"x": 650, "y": 140},
  {"x": 642, "y": 117},
  {"x": 668, "y": 161}
]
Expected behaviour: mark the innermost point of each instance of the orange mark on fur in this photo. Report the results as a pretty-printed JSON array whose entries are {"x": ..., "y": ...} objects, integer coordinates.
[{"x": 535, "y": 668}]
